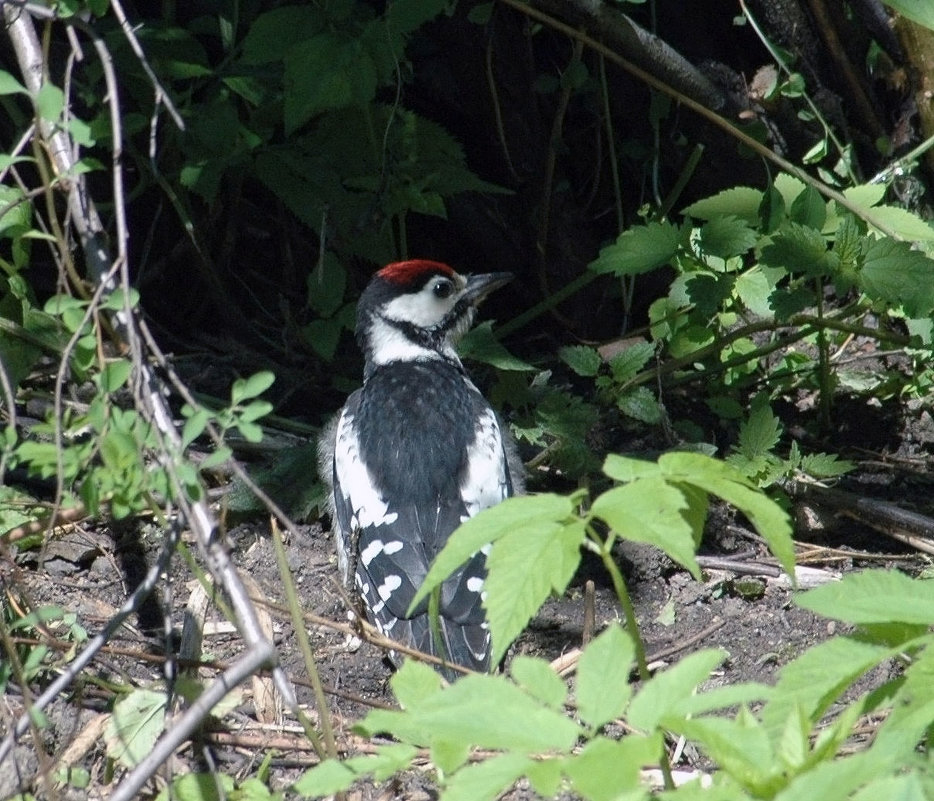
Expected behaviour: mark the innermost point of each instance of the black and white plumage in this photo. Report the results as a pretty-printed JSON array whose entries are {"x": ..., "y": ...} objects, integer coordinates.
[{"x": 415, "y": 452}]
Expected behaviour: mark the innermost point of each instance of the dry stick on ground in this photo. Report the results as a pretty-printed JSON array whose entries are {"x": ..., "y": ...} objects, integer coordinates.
[{"x": 150, "y": 400}]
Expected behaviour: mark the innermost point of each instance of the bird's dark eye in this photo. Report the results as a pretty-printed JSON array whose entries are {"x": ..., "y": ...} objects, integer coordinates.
[{"x": 443, "y": 288}]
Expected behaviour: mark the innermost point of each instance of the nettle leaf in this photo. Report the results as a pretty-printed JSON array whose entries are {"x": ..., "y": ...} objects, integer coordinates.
[
  {"x": 726, "y": 236},
  {"x": 895, "y": 273},
  {"x": 772, "y": 209},
  {"x": 741, "y": 201},
  {"x": 874, "y": 596},
  {"x": 581, "y": 359},
  {"x": 602, "y": 689},
  {"x": 642, "y": 405},
  {"x": 799, "y": 249},
  {"x": 639, "y": 249},
  {"x": 651, "y": 510},
  {"x": 627, "y": 363},
  {"x": 759, "y": 433},
  {"x": 848, "y": 247}
]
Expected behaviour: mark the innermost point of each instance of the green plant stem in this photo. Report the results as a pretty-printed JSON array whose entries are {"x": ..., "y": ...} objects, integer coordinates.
[
  {"x": 298, "y": 623},
  {"x": 551, "y": 300},
  {"x": 825, "y": 396}
]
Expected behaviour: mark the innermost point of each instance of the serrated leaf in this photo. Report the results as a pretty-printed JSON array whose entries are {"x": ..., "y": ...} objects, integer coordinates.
[
  {"x": 659, "y": 699},
  {"x": 865, "y": 195},
  {"x": 582, "y": 359},
  {"x": 895, "y": 273},
  {"x": 609, "y": 770},
  {"x": 639, "y": 249},
  {"x": 651, "y": 510},
  {"x": 483, "y": 711},
  {"x": 726, "y": 236},
  {"x": 627, "y": 363},
  {"x": 903, "y": 223},
  {"x": 135, "y": 725},
  {"x": 536, "y": 677},
  {"x": 625, "y": 468},
  {"x": 522, "y": 515},
  {"x": 825, "y": 465},
  {"x": 386, "y": 762},
  {"x": 759, "y": 433},
  {"x": 640, "y": 404},
  {"x": 720, "y": 479},
  {"x": 488, "y": 779},
  {"x": 873, "y": 596},
  {"x": 602, "y": 689},
  {"x": 513, "y": 592},
  {"x": 771, "y": 210},
  {"x": 798, "y": 249},
  {"x": 741, "y": 201}
]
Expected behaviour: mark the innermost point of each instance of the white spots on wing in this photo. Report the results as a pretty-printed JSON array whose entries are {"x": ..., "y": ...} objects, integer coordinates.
[
  {"x": 390, "y": 584},
  {"x": 393, "y": 547},
  {"x": 475, "y": 584},
  {"x": 371, "y": 551},
  {"x": 485, "y": 481},
  {"x": 485, "y": 550},
  {"x": 367, "y": 504}
]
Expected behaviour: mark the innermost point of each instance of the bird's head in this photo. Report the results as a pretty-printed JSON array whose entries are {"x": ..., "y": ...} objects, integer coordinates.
[{"x": 419, "y": 309}]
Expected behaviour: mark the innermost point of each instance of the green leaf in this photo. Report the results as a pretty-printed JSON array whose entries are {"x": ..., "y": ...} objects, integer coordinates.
[
  {"x": 50, "y": 102},
  {"x": 199, "y": 787},
  {"x": 809, "y": 209},
  {"x": 760, "y": 433},
  {"x": 513, "y": 592},
  {"x": 482, "y": 711},
  {"x": 724, "y": 481},
  {"x": 919, "y": 11},
  {"x": 873, "y": 596},
  {"x": 658, "y": 702},
  {"x": 385, "y": 763},
  {"x": 488, "y": 779},
  {"x": 726, "y": 236},
  {"x": 246, "y": 388},
  {"x": 9, "y": 85},
  {"x": 602, "y": 689},
  {"x": 523, "y": 515},
  {"x": 799, "y": 249},
  {"x": 327, "y": 71},
  {"x": 216, "y": 458},
  {"x": 536, "y": 677},
  {"x": 640, "y": 404},
  {"x": 903, "y": 223},
  {"x": 894, "y": 273},
  {"x": 625, "y": 468},
  {"x": 639, "y": 249},
  {"x": 607, "y": 770},
  {"x": 115, "y": 375},
  {"x": 741, "y": 201},
  {"x": 272, "y": 34},
  {"x": 135, "y": 725},
  {"x": 582, "y": 359},
  {"x": 327, "y": 778},
  {"x": 627, "y": 363},
  {"x": 651, "y": 510},
  {"x": 481, "y": 345}
]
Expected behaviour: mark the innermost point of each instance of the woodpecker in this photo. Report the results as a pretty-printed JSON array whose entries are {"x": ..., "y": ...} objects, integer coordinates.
[{"x": 414, "y": 452}]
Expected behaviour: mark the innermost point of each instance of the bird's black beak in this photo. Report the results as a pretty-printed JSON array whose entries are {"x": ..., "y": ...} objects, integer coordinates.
[{"x": 479, "y": 286}]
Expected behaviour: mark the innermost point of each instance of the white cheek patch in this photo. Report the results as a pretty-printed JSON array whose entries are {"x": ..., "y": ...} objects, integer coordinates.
[{"x": 369, "y": 508}]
